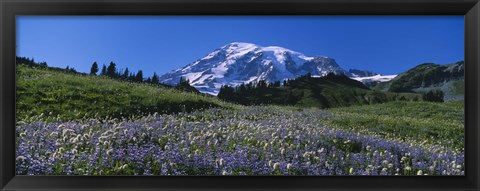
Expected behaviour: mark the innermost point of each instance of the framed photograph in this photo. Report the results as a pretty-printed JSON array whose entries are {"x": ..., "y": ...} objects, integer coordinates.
[{"x": 239, "y": 95}]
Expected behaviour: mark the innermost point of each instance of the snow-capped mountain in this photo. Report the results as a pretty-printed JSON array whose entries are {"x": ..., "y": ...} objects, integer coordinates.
[{"x": 239, "y": 62}]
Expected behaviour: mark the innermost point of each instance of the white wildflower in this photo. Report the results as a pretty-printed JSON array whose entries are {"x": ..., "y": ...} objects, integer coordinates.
[
  {"x": 54, "y": 134},
  {"x": 21, "y": 158},
  {"x": 276, "y": 165},
  {"x": 102, "y": 138},
  {"x": 83, "y": 127},
  {"x": 66, "y": 132},
  {"x": 420, "y": 172},
  {"x": 221, "y": 162},
  {"x": 407, "y": 168}
]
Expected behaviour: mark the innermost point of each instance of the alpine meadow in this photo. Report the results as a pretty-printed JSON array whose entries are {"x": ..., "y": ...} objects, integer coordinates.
[{"x": 241, "y": 109}]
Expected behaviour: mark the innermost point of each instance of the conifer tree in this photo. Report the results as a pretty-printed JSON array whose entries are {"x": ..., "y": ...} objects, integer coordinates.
[
  {"x": 155, "y": 79},
  {"x": 139, "y": 76},
  {"x": 131, "y": 77},
  {"x": 94, "y": 69},
  {"x": 111, "y": 70},
  {"x": 125, "y": 73},
  {"x": 104, "y": 70}
]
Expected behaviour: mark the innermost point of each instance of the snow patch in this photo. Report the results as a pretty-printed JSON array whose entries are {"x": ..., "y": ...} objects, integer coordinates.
[
  {"x": 192, "y": 76},
  {"x": 378, "y": 78}
]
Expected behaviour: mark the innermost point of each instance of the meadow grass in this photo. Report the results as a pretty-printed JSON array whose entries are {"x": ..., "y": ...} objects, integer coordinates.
[
  {"x": 66, "y": 96},
  {"x": 421, "y": 122},
  {"x": 256, "y": 140}
]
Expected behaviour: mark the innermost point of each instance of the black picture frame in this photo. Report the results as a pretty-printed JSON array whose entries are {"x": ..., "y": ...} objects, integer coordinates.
[{"x": 11, "y": 8}]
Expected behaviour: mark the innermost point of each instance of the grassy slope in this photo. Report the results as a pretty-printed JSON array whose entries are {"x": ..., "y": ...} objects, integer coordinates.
[
  {"x": 419, "y": 122},
  {"x": 72, "y": 96},
  {"x": 337, "y": 92},
  {"x": 426, "y": 77}
]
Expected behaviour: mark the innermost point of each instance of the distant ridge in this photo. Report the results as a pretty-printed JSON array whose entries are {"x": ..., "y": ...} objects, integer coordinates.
[{"x": 449, "y": 78}]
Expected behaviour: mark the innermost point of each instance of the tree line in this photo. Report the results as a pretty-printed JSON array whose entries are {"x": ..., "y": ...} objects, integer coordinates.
[
  {"x": 112, "y": 72},
  {"x": 262, "y": 92},
  {"x": 291, "y": 91},
  {"x": 433, "y": 96}
]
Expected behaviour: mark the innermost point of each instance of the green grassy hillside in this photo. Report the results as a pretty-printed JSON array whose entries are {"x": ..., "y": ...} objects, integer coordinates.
[
  {"x": 72, "y": 96},
  {"x": 341, "y": 91},
  {"x": 448, "y": 78},
  {"x": 323, "y": 92},
  {"x": 418, "y": 122}
]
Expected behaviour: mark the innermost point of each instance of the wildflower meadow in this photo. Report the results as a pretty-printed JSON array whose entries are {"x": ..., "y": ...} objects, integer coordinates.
[{"x": 257, "y": 140}]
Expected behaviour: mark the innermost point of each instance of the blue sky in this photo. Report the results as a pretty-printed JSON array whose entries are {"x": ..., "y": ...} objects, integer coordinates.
[{"x": 383, "y": 44}]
